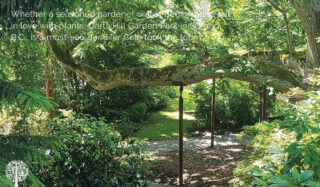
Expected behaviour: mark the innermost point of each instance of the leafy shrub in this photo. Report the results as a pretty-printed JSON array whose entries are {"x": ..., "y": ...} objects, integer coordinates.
[
  {"x": 20, "y": 123},
  {"x": 137, "y": 112},
  {"x": 95, "y": 154},
  {"x": 79, "y": 150},
  {"x": 158, "y": 98},
  {"x": 126, "y": 127},
  {"x": 235, "y": 106},
  {"x": 98, "y": 103},
  {"x": 265, "y": 135},
  {"x": 286, "y": 152}
]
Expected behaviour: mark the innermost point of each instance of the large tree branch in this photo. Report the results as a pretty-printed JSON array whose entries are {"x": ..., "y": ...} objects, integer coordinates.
[
  {"x": 64, "y": 56},
  {"x": 266, "y": 71}
]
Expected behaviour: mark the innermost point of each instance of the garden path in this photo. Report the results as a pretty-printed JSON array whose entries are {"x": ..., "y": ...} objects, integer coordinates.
[{"x": 194, "y": 143}]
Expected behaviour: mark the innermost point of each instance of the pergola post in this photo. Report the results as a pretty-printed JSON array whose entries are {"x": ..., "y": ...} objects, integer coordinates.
[
  {"x": 260, "y": 106},
  {"x": 213, "y": 97},
  {"x": 263, "y": 104},
  {"x": 181, "y": 137}
]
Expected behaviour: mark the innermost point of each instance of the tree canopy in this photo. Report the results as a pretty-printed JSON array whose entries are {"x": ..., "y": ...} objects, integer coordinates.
[{"x": 92, "y": 38}]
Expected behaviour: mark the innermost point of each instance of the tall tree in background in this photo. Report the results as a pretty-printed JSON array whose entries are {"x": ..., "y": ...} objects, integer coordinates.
[{"x": 309, "y": 14}]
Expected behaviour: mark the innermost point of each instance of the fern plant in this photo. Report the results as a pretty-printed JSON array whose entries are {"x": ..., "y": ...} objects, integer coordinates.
[
  {"x": 21, "y": 101},
  {"x": 24, "y": 99}
]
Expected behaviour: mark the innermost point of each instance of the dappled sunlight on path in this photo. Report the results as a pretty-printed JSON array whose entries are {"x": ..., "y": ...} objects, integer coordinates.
[{"x": 194, "y": 143}]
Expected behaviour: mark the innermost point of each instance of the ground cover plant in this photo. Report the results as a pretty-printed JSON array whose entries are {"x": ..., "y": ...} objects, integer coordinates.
[{"x": 286, "y": 152}]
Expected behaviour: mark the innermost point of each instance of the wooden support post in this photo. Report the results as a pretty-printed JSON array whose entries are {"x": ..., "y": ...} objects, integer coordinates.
[
  {"x": 181, "y": 137},
  {"x": 213, "y": 97},
  {"x": 260, "y": 106},
  {"x": 264, "y": 103}
]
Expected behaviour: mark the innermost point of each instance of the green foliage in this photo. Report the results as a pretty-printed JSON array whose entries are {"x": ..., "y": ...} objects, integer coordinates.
[
  {"x": 19, "y": 106},
  {"x": 266, "y": 136},
  {"x": 233, "y": 100},
  {"x": 163, "y": 124},
  {"x": 79, "y": 150},
  {"x": 255, "y": 25},
  {"x": 126, "y": 127},
  {"x": 159, "y": 97},
  {"x": 27, "y": 100},
  {"x": 292, "y": 179},
  {"x": 286, "y": 152},
  {"x": 31, "y": 150},
  {"x": 137, "y": 112},
  {"x": 95, "y": 155},
  {"x": 19, "y": 123},
  {"x": 84, "y": 144},
  {"x": 21, "y": 77},
  {"x": 128, "y": 105},
  {"x": 24, "y": 59}
]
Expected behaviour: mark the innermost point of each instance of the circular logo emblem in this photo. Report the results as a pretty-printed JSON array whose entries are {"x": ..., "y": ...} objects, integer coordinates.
[{"x": 17, "y": 171}]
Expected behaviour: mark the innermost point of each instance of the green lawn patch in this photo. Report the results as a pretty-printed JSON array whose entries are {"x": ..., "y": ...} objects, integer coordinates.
[{"x": 165, "y": 124}]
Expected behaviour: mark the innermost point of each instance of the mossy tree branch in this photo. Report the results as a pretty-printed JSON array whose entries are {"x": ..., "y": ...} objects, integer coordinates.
[{"x": 263, "y": 71}]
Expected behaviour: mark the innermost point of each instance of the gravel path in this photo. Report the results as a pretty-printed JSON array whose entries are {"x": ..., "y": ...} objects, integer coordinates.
[{"x": 193, "y": 143}]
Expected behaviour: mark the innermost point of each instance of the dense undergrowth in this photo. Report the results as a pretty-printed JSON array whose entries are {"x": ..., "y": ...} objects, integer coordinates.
[
  {"x": 286, "y": 152},
  {"x": 71, "y": 152}
]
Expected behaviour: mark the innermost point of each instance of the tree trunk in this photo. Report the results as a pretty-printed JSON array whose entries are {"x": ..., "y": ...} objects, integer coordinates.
[
  {"x": 290, "y": 44},
  {"x": 309, "y": 15}
]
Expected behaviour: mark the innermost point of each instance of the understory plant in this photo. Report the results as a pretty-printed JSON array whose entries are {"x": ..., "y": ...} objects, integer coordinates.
[
  {"x": 95, "y": 154},
  {"x": 78, "y": 150},
  {"x": 235, "y": 106},
  {"x": 285, "y": 152}
]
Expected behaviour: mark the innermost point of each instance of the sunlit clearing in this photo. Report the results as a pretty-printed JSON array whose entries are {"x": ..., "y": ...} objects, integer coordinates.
[
  {"x": 175, "y": 115},
  {"x": 175, "y": 134}
]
